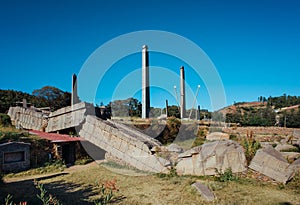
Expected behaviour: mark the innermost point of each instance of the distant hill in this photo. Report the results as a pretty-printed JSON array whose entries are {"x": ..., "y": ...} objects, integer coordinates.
[
  {"x": 274, "y": 111},
  {"x": 244, "y": 105}
]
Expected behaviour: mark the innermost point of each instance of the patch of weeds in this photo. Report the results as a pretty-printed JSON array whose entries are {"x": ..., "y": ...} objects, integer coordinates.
[
  {"x": 225, "y": 176},
  {"x": 83, "y": 161},
  {"x": 9, "y": 201},
  {"x": 198, "y": 141},
  {"x": 47, "y": 199},
  {"x": 171, "y": 174},
  {"x": 294, "y": 184},
  {"x": 251, "y": 146},
  {"x": 107, "y": 192},
  {"x": 281, "y": 186},
  {"x": 49, "y": 167},
  {"x": 233, "y": 137}
]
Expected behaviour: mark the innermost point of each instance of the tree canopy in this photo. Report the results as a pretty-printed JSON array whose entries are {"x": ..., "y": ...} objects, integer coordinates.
[{"x": 45, "y": 97}]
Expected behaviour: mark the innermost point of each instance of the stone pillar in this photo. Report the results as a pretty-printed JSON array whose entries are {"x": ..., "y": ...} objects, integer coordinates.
[
  {"x": 167, "y": 105},
  {"x": 74, "y": 96},
  {"x": 182, "y": 93},
  {"x": 145, "y": 83},
  {"x": 24, "y": 103},
  {"x": 198, "y": 113}
]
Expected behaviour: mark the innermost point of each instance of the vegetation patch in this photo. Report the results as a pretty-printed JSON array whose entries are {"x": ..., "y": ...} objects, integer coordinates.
[{"x": 49, "y": 167}]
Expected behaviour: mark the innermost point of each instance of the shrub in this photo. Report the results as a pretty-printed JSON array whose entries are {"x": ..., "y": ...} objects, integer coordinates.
[
  {"x": 5, "y": 120},
  {"x": 227, "y": 175},
  {"x": 251, "y": 146}
]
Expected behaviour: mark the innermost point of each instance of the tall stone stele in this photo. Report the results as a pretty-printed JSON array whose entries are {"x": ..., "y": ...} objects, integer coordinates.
[
  {"x": 145, "y": 83},
  {"x": 74, "y": 95},
  {"x": 182, "y": 93}
]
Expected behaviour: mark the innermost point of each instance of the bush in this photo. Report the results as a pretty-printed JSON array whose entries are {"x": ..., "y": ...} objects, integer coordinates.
[
  {"x": 5, "y": 120},
  {"x": 251, "y": 146},
  {"x": 225, "y": 176}
]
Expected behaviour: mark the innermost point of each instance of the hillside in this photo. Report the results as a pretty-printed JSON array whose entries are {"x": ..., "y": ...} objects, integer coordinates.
[
  {"x": 265, "y": 113},
  {"x": 243, "y": 105}
]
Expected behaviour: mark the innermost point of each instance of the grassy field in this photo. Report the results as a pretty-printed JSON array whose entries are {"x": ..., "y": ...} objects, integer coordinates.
[{"x": 78, "y": 185}]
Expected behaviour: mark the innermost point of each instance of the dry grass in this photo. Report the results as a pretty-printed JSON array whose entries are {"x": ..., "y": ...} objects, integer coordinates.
[{"x": 79, "y": 187}]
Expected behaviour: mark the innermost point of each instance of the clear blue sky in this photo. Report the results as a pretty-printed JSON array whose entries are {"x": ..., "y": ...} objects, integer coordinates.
[{"x": 255, "y": 45}]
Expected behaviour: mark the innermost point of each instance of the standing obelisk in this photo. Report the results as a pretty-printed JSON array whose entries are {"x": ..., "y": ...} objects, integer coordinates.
[
  {"x": 145, "y": 83},
  {"x": 182, "y": 93},
  {"x": 74, "y": 95}
]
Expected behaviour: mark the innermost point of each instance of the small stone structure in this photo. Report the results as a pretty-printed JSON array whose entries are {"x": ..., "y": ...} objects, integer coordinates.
[
  {"x": 205, "y": 159},
  {"x": 271, "y": 163},
  {"x": 14, "y": 156},
  {"x": 131, "y": 146}
]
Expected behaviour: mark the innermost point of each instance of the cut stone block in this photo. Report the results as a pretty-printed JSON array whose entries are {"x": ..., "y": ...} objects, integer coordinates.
[
  {"x": 217, "y": 136},
  {"x": 205, "y": 192},
  {"x": 271, "y": 163},
  {"x": 285, "y": 147},
  {"x": 205, "y": 159}
]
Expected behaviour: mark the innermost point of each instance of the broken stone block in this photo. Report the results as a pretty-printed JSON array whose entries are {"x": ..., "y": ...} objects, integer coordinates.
[
  {"x": 271, "y": 163},
  {"x": 205, "y": 192},
  {"x": 217, "y": 136},
  {"x": 285, "y": 147},
  {"x": 290, "y": 156},
  {"x": 205, "y": 159},
  {"x": 296, "y": 165},
  {"x": 174, "y": 148},
  {"x": 266, "y": 144}
]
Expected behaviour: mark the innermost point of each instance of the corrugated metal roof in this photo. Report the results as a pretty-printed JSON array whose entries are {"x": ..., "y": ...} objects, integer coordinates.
[{"x": 53, "y": 137}]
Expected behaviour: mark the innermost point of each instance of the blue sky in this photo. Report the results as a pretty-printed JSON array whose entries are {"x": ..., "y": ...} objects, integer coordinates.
[{"x": 254, "y": 45}]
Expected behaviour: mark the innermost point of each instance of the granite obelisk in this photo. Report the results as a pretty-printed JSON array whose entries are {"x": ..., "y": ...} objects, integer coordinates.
[
  {"x": 182, "y": 93},
  {"x": 145, "y": 83},
  {"x": 74, "y": 94}
]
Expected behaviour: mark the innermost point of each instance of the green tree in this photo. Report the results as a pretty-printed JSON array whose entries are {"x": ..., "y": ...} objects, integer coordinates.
[
  {"x": 53, "y": 97},
  {"x": 173, "y": 111}
]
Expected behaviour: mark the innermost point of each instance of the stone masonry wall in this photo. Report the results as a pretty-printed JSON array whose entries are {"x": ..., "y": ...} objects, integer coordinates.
[
  {"x": 67, "y": 117},
  {"x": 122, "y": 145},
  {"x": 26, "y": 118}
]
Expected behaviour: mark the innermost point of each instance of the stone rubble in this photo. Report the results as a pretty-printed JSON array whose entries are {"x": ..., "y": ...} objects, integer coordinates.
[{"x": 212, "y": 156}]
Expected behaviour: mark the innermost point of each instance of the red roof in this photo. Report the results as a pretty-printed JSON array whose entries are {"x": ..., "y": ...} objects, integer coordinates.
[{"x": 53, "y": 137}]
